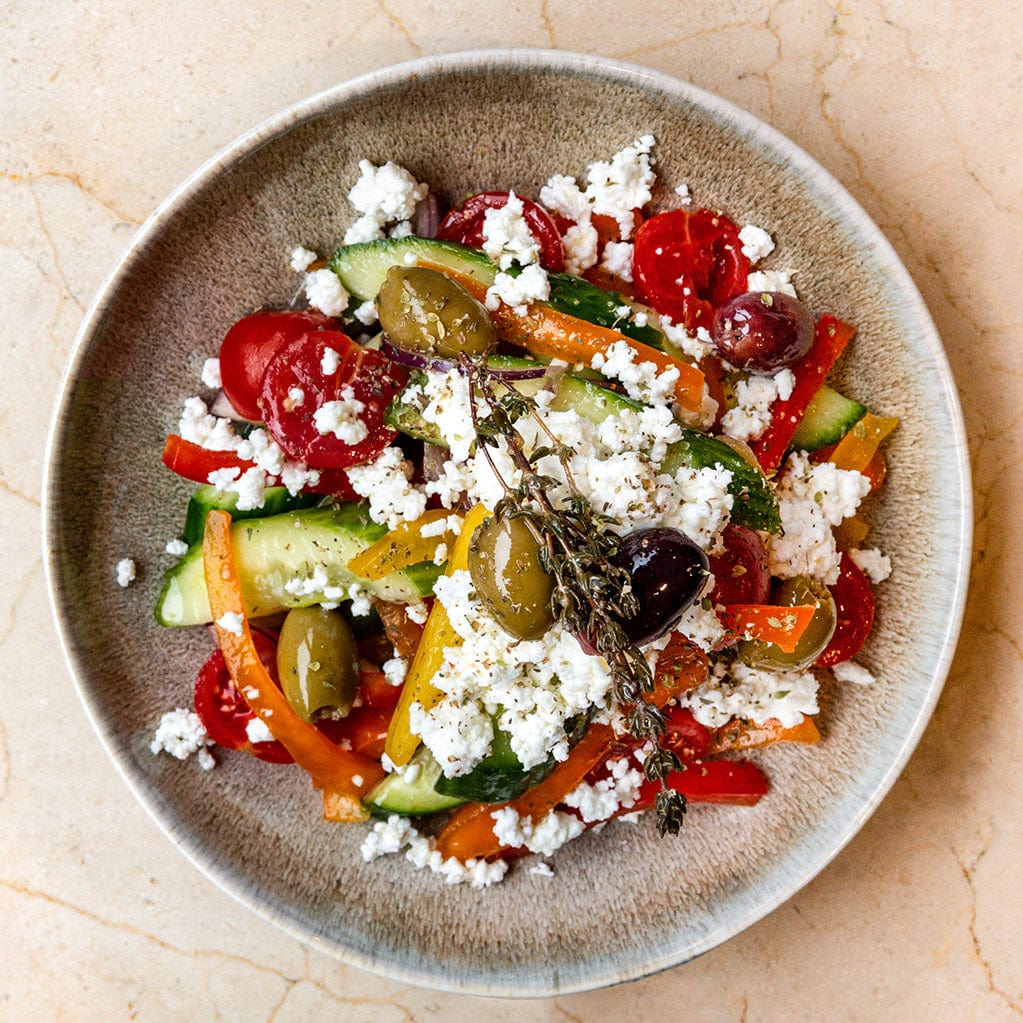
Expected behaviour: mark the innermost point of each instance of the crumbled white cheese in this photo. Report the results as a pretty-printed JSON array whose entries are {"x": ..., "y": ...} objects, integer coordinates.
[
  {"x": 849, "y": 671},
  {"x": 531, "y": 285},
  {"x": 507, "y": 239},
  {"x": 643, "y": 380},
  {"x": 754, "y": 399},
  {"x": 682, "y": 191},
  {"x": 542, "y": 869},
  {"x": 618, "y": 259},
  {"x": 417, "y": 613},
  {"x": 771, "y": 280},
  {"x": 366, "y": 313},
  {"x": 546, "y": 837},
  {"x": 395, "y": 669},
  {"x": 579, "y": 243},
  {"x": 385, "y": 483},
  {"x": 180, "y": 733},
  {"x": 125, "y": 570},
  {"x": 256, "y": 730},
  {"x": 811, "y": 499},
  {"x": 232, "y": 621},
  {"x": 384, "y": 195},
  {"x": 873, "y": 563},
  {"x": 362, "y": 605},
  {"x": 302, "y": 259},
  {"x": 330, "y": 361},
  {"x": 324, "y": 291},
  {"x": 757, "y": 244},
  {"x": 623, "y": 184},
  {"x": 295, "y": 399},
  {"x": 602, "y": 800},
  {"x": 365, "y": 229},
  {"x": 449, "y": 524},
  {"x": 397, "y": 834},
  {"x": 211, "y": 374},
  {"x": 563, "y": 196},
  {"x": 702, "y": 625},
  {"x": 342, "y": 418},
  {"x": 176, "y": 548},
  {"x": 753, "y": 694}
]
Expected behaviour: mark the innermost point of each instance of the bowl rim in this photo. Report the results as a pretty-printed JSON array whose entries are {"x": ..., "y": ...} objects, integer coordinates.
[{"x": 538, "y": 60}]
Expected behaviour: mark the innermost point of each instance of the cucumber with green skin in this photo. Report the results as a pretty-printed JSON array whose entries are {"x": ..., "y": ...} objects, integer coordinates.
[
  {"x": 361, "y": 268},
  {"x": 272, "y": 552},
  {"x": 411, "y": 799},
  {"x": 754, "y": 503},
  {"x": 828, "y": 418},
  {"x": 275, "y": 501}
]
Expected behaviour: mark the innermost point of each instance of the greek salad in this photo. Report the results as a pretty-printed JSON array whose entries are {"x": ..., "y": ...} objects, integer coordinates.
[{"x": 525, "y": 515}]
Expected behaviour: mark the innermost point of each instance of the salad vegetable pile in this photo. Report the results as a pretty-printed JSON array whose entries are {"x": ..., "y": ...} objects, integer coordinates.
[{"x": 523, "y": 517}]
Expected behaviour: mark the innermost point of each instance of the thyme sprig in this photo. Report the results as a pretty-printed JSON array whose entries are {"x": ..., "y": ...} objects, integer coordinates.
[{"x": 592, "y": 595}]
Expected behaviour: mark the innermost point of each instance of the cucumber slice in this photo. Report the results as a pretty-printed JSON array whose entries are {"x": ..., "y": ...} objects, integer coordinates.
[
  {"x": 362, "y": 268},
  {"x": 411, "y": 799},
  {"x": 271, "y": 552},
  {"x": 829, "y": 417},
  {"x": 275, "y": 501}
]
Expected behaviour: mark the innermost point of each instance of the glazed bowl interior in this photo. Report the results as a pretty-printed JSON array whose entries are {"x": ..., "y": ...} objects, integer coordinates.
[{"x": 623, "y": 903}]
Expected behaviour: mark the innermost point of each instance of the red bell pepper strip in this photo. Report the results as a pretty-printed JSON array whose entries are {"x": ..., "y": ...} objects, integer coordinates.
[
  {"x": 854, "y": 605},
  {"x": 737, "y": 782},
  {"x": 783, "y": 626},
  {"x": 344, "y": 776},
  {"x": 830, "y": 339}
]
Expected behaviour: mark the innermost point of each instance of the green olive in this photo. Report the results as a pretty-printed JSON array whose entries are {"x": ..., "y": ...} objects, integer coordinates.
[
  {"x": 424, "y": 311},
  {"x": 803, "y": 589},
  {"x": 318, "y": 663},
  {"x": 504, "y": 562}
]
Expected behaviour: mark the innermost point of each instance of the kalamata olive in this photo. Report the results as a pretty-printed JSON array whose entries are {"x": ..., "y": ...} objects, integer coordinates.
[
  {"x": 422, "y": 310},
  {"x": 318, "y": 663},
  {"x": 762, "y": 330},
  {"x": 668, "y": 572},
  {"x": 741, "y": 573},
  {"x": 803, "y": 589},
  {"x": 504, "y": 562}
]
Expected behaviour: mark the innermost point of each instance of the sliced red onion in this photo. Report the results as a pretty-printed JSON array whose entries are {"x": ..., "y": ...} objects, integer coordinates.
[
  {"x": 420, "y": 360},
  {"x": 427, "y": 217}
]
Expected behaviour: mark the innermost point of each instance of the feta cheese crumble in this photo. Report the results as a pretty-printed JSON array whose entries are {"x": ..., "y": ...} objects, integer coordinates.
[
  {"x": 519, "y": 290},
  {"x": 757, "y": 244},
  {"x": 771, "y": 280},
  {"x": 643, "y": 381},
  {"x": 324, "y": 291},
  {"x": 256, "y": 730},
  {"x": 302, "y": 259},
  {"x": 125, "y": 570},
  {"x": 875, "y": 565},
  {"x": 231, "y": 621},
  {"x": 386, "y": 195},
  {"x": 507, "y": 239},
  {"x": 342, "y": 418},
  {"x": 180, "y": 733},
  {"x": 848, "y": 671},
  {"x": 211, "y": 374},
  {"x": 384, "y": 482},
  {"x": 176, "y": 548}
]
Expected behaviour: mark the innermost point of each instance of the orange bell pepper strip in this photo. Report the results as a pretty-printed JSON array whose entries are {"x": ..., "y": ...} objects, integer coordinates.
[
  {"x": 402, "y": 546},
  {"x": 739, "y": 734},
  {"x": 856, "y": 450},
  {"x": 782, "y": 626},
  {"x": 546, "y": 331},
  {"x": 344, "y": 776},
  {"x": 438, "y": 634}
]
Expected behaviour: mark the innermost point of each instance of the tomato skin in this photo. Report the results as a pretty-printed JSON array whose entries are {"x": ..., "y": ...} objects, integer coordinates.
[
  {"x": 249, "y": 346},
  {"x": 688, "y": 262},
  {"x": 741, "y": 573},
  {"x": 223, "y": 710},
  {"x": 854, "y": 604},
  {"x": 372, "y": 378},
  {"x": 366, "y": 729},
  {"x": 465, "y": 224}
]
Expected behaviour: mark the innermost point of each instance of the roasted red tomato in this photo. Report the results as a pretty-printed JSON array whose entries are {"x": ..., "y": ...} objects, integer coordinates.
[
  {"x": 326, "y": 370},
  {"x": 249, "y": 346},
  {"x": 741, "y": 575},
  {"x": 854, "y": 604},
  {"x": 687, "y": 263},
  {"x": 223, "y": 711},
  {"x": 465, "y": 225}
]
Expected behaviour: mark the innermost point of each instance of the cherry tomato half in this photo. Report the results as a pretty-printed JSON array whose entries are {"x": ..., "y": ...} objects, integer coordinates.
[
  {"x": 741, "y": 573},
  {"x": 687, "y": 263},
  {"x": 295, "y": 386},
  {"x": 854, "y": 604},
  {"x": 249, "y": 346},
  {"x": 465, "y": 225},
  {"x": 222, "y": 708}
]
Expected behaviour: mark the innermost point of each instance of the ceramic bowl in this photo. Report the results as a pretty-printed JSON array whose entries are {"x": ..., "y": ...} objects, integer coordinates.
[{"x": 623, "y": 903}]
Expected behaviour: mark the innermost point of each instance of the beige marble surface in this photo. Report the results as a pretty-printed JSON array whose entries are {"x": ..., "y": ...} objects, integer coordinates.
[{"x": 914, "y": 105}]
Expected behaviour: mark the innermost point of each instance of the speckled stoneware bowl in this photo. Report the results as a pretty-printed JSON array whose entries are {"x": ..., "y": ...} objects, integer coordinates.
[{"x": 623, "y": 903}]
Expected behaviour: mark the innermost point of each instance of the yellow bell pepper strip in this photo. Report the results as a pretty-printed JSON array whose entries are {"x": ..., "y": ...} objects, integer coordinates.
[
  {"x": 546, "y": 331},
  {"x": 344, "y": 776},
  {"x": 782, "y": 626},
  {"x": 438, "y": 635},
  {"x": 858, "y": 447},
  {"x": 738, "y": 734},
  {"x": 402, "y": 546}
]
